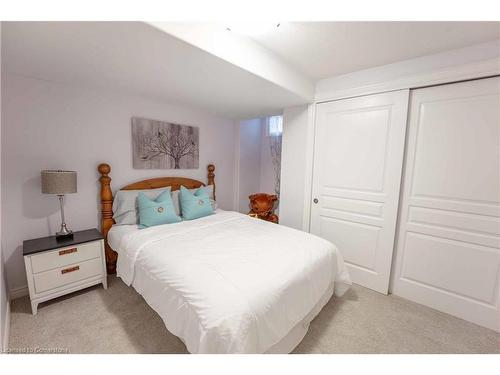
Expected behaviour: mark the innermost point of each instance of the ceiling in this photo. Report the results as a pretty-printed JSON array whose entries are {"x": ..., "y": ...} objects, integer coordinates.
[
  {"x": 324, "y": 49},
  {"x": 208, "y": 67},
  {"x": 136, "y": 58}
]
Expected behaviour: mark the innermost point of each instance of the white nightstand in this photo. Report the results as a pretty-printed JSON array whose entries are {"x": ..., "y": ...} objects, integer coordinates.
[{"x": 57, "y": 267}]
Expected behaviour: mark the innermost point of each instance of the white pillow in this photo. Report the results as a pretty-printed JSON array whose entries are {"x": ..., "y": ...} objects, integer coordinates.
[{"x": 125, "y": 210}]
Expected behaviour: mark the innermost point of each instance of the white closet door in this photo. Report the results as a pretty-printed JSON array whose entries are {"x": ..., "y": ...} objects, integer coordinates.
[
  {"x": 448, "y": 251},
  {"x": 358, "y": 157}
]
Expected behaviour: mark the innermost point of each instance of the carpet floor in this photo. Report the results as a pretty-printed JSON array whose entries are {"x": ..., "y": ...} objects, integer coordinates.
[{"x": 118, "y": 320}]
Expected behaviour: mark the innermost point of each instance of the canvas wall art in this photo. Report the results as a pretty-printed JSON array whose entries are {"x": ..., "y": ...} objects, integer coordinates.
[{"x": 164, "y": 145}]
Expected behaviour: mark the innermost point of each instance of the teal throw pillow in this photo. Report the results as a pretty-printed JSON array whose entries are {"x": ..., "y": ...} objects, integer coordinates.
[
  {"x": 195, "y": 205},
  {"x": 156, "y": 211}
]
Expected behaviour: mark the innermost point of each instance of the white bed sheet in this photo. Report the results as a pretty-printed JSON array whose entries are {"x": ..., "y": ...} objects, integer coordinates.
[
  {"x": 228, "y": 283},
  {"x": 117, "y": 233}
]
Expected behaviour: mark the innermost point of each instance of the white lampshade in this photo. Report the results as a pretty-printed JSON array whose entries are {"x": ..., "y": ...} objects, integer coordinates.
[{"x": 58, "y": 182}]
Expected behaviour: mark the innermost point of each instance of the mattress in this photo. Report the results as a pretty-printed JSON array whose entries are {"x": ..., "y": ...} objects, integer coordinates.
[{"x": 228, "y": 283}]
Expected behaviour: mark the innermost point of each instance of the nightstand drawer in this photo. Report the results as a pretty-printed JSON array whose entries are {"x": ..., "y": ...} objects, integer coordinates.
[
  {"x": 65, "y": 275},
  {"x": 66, "y": 255}
]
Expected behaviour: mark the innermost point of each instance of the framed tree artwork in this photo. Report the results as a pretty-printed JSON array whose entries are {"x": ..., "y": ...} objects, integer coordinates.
[{"x": 164, "y": 145}]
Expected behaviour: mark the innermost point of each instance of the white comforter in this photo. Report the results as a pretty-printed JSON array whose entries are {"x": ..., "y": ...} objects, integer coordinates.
[{"x": 228, "y": 283}]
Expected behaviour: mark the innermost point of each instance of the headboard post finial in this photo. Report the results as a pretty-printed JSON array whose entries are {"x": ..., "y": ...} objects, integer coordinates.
[
  {"x": 107, "y": 214},
  {"x": 211, "y": 176}
]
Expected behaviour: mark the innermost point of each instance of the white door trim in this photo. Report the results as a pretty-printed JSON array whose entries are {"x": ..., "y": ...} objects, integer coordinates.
[
  {"x": 481, "y": 69},
  {"x": 311, "y": 129}
]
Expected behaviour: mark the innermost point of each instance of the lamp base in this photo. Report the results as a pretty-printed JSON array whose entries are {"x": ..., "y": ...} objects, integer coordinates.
[
  {"x": 64, "y": 233},
  {"x": 63, "y": 237}
]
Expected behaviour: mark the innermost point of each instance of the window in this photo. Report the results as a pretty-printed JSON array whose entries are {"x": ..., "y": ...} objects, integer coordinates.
[{"x": 274, "y": 126}]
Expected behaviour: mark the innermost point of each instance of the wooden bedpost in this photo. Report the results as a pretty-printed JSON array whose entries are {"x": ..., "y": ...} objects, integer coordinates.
[
  {"x": 107, "y": 215},
  {"x": 211, "y": 176}
]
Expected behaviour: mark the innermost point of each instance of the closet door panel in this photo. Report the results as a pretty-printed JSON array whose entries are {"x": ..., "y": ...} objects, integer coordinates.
[
  {"x": 448, "y": 250},
  {"x": 466, "y": 130},
  {"x": 448, "y": 264},
  {"x": 358, "y": 158}
]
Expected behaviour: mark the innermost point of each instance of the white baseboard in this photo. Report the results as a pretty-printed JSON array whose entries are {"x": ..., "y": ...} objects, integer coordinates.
[
  {"x": 18, "y": 292},
  {"x": 6, "y": 328}
]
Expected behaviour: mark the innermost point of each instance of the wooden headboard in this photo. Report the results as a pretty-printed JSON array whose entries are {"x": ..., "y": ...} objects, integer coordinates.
[{"x": 153, "y": 183}]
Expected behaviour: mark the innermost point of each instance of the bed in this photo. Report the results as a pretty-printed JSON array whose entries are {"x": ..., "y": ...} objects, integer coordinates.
[{"x": 227, "y": 282}]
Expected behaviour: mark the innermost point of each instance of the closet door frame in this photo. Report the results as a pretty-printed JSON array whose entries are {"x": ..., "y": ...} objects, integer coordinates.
[
  {"x": 422, "y": 77},
  {"x": 440, "y": 76}
]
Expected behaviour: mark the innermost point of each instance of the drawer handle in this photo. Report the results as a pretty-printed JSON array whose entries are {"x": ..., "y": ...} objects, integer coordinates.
[
  {"x": 68, "y": 251},
  {"x": 71, "y": 269}
]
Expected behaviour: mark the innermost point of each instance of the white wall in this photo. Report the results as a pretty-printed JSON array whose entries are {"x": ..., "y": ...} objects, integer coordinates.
[
  {"x": 48, "y": 125},
  {"x": 249, "y": 140},
  {"x": 295, "y": 166},
  {"x": 4, "y": 300},
  {"x": 254, "y": 166}
]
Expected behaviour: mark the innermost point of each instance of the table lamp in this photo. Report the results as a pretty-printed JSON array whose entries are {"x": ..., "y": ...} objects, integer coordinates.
[{"x": 59, "y": 182}]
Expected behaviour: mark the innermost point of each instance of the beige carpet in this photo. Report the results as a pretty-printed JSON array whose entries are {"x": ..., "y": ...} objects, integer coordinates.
[{"x": 118, "y": 320}]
